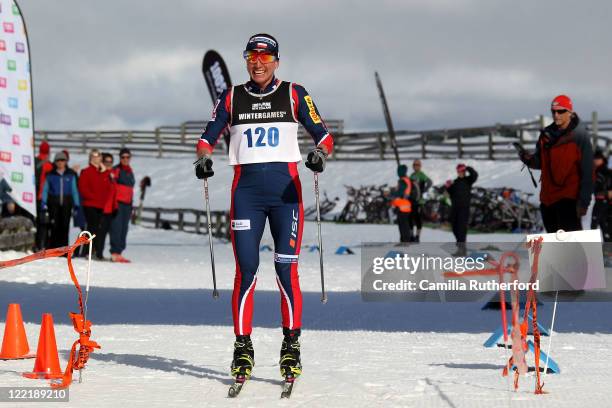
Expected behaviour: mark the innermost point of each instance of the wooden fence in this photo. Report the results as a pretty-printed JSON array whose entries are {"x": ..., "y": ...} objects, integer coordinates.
[
  {"x": 487, "y": 142},
  {"x": 187, "y": 220}
]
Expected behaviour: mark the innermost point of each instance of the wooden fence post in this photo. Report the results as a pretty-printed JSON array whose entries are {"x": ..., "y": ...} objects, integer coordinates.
[
  {"x": 183, "y": 132},
  {"x": 542, "y": 122},
  {"x": 381, "y": 146},
  {"x": 491, "y": 151},
  {"x": 423, "y": 145},
  {"x": 84, "y": 146},
  {"x": 181, "y": 223},
  {"x": 198, "y": 223},
  {"x": 160, "y": 147},
  {"x": 459, "y": 145},
  {"x": 594, "y": 129},
  {"x": 157, "y": 218}
]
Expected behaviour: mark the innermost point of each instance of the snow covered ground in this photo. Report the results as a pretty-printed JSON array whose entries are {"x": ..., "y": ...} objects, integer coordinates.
[{"x": 167, "y": 343}]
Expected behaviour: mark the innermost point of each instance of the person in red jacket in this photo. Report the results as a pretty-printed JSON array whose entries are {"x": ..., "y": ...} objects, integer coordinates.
[
  {"x": 42, "y": 167},
  {"x": 124, "y": 184},
  {"x": 109, "y": 192},
  {"x": 565, "y": 156},
  {"x": 92, "y": 195}
]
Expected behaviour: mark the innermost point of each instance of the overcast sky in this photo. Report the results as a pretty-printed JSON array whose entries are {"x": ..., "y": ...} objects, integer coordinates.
[{"x": 444, "y": 63}]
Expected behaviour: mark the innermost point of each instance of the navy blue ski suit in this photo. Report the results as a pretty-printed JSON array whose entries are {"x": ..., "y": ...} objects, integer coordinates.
[{"x": 264, "y": 152}]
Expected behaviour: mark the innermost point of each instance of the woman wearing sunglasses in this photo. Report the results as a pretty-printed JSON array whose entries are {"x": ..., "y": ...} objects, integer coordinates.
[
  {"x": 263, "y": 116},
  {"x": 565, "y": 156}
]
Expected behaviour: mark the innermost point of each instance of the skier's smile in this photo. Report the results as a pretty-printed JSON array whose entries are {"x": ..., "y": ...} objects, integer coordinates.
[{"x": 261, "y": 73}]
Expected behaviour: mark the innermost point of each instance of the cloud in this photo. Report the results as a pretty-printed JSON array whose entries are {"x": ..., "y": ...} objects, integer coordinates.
[{"x": 444, "y": 63}]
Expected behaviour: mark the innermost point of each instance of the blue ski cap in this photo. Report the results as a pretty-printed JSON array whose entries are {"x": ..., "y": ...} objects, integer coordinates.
[{"x": 263, "y": 42}]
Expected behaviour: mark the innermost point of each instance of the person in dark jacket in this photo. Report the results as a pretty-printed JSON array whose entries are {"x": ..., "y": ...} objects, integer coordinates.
[
  {"x": 603, "y": 185},
  {"x": 125, "y": 180},
  {"x": 460, "y": 191},
  {"x": 420, "y": 180},
  {"x": 60, "y": 197},
  {"x": 404, "y": 201},
  {"x": 92, "y": 195},
  {"x": 565, "y": 157}
]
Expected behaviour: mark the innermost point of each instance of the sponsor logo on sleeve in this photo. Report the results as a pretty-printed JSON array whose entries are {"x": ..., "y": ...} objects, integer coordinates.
[
  {"x": 2, "y": 82},
  {"x": 16, "y": 140},
  {"x": 311, "y": 110},
  {"x": 27, "y": 160},
  {"x": 8, "y": 27},
  {"x": 28, "y": 197},
  {"x": 5, "y": 119},
  {"x": 22, "y": 85},
  {"x": 24, "y": 123},
  {"x": 11, "y": 65},
  {"x": 19, "y": 47},
  {"x": 241, "y": 225},
  {"x": 2, "y": 45},
  {"x": 13, "y": 102}
]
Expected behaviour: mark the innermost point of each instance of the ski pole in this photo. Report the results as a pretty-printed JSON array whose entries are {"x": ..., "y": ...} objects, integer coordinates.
[
  {"x": 552, "y": 326},
  {"x": 212, "y": 253},
  {"x": 316, "y": 185}
]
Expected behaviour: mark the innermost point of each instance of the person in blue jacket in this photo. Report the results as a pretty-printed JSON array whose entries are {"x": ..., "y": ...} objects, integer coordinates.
[{"x": 60, "y": 197}]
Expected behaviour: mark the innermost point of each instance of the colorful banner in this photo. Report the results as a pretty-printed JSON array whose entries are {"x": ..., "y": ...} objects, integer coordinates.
[{"x": 16, "y": 119}]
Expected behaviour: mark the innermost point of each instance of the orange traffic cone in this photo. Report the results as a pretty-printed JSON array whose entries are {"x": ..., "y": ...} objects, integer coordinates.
[
  {"x": 47, "y": 360},
  {"x": 14, "y": 343}
]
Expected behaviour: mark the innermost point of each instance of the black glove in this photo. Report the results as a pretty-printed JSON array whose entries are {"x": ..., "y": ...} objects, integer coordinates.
[
  {"x": 203, "y": 167},
  {"x": 315, "y": 160}
]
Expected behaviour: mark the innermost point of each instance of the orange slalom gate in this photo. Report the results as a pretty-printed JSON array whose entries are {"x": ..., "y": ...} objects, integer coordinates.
[{"x": 77, "y": 359}]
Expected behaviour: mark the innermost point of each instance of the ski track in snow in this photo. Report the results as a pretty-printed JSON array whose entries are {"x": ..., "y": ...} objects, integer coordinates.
[{"x": 166, "y": 342}]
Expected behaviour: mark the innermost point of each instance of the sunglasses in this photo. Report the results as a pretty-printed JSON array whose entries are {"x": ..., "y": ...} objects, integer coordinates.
[
  {"x": 559, "y": 111},
  {"x": 264, "y": 57},
  {"x": 125, "y": 157},
  {"x": 108, "y": 162}
]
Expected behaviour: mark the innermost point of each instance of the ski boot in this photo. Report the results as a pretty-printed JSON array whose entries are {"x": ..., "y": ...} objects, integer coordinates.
[
  {"x": 244, "y": 358},
  {"x": 290, "y": 364}
]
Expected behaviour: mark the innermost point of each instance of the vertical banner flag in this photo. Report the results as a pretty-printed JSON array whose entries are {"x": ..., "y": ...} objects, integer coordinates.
[
  {"x": 217, "y": 78},
  {"x": 16, "y": 119}
]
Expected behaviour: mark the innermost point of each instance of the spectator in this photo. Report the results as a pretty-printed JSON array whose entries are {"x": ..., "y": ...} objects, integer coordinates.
[
  {"x": 125, "y": 180},
  {"x": 403, "y": 202},
  {"x": 108, "y": 188},
  {"x": 75, "y": 168},
  {"x": 60, "y": 196},
  {"x": 420, "y": 180},
  {"x": 42, "y": 167},
  {"x": 92, "y": 194},
  {"x": 565, "y": 156},
  {"x": 603, "y": 185},
  {"x": 460, "y": 191}
]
